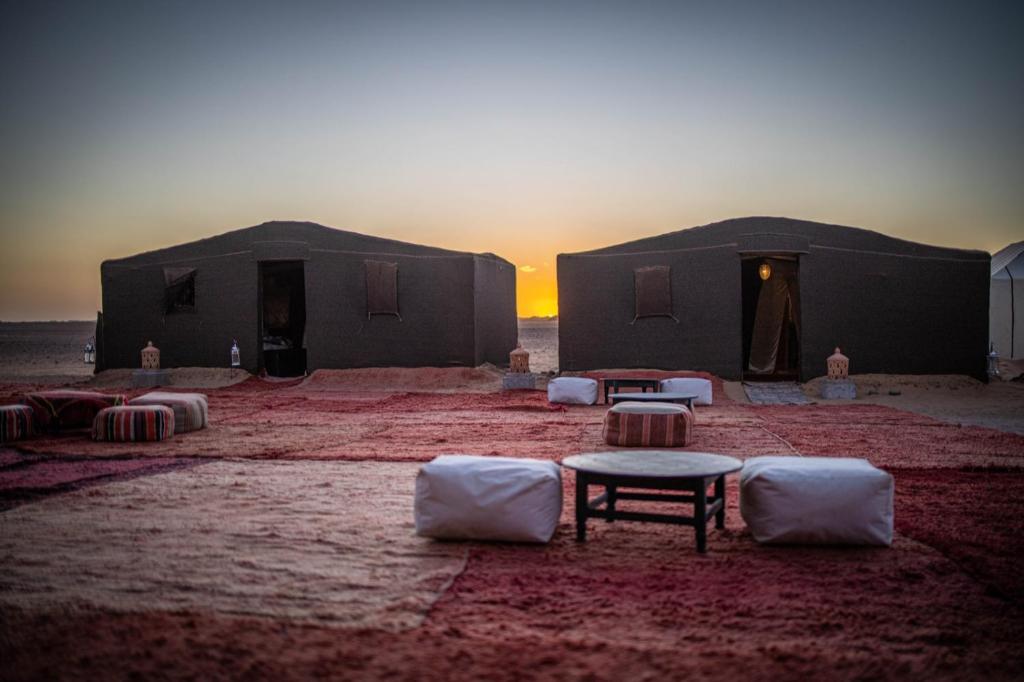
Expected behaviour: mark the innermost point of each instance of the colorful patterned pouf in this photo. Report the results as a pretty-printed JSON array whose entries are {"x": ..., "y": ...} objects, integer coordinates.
[
  {"x": 15, "y": 422},
  {"x": 64, "y": 409},
  {"x": 659, "y": 425},
  {"x": 133, "y": 423},
  {"x": 190, "y": 409}
]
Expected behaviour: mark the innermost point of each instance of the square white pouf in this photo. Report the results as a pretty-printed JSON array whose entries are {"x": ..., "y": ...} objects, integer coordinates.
[
  {"x": 467, "y": 497},
  {"x": 698, "y": 387},
  {"x": 572, "y": 391},
  {"x": 816, "y": 500}
]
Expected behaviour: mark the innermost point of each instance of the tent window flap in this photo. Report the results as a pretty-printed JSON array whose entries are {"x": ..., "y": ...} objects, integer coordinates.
[
  {"x": 653, "y": 292},
  {"x": 179, "y": 290},
  {"x": 381, "y": 288}
]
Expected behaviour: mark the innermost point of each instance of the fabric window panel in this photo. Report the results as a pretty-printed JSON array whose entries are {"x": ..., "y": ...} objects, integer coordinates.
[
  {"x": 653, "y": 287},
  {"x": 179, "y": 290},
  {"x": 381, "y": 288}
]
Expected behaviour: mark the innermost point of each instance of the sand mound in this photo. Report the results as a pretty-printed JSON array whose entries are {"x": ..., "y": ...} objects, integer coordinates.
[
  {"x": 894, "y": 384},
  {"x": 181, "y": 377},
  {"x": 482, "y": 379}
]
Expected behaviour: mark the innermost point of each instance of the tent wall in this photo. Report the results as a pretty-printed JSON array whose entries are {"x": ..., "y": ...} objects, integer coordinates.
[
  {"x": 435, "y": 301},
  {"x": 1006, "y": 310},
  {"x": 456, "y": 308},
  {"x": 133, "y": 313},
  {"x": 496, "y": 327},
  {"x": 597, "y": 306},
  {"x": 892, "y": 313}
]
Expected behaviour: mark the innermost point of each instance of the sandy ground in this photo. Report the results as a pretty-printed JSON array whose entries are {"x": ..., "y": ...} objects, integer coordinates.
[
  {"x": 276, "y": 544},
  {"x": 44, "y": 352},
  {"x": 955, "y": 399}
]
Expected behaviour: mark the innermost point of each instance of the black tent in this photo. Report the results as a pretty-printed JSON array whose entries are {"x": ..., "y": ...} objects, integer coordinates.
[
  {"x": 772, "y": 298},
  {"x": 301, "y": 296}
]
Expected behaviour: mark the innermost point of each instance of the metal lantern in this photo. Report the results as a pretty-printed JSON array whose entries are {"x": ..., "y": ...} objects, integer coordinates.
[
  {"x": 519, "y": 361},
  {"x": 150, "y": 356},
  {"x": 993, "y": 361},
  {"x": 89, "y": 353},
  {"x": 838, "y": 366},
  {"x": 765, "y": 271},
  {"x": 236, "y": 358}
]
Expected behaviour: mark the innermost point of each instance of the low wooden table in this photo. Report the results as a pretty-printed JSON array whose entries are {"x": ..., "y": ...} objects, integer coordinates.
[
  {"x": 615, "y": 383},
  {"x": 665, "y": 397},
  {"x": 690, "y": 472}
]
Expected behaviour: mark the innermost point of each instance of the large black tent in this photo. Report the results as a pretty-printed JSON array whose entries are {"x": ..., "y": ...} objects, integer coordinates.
[
  {"x": 301, "y": 296},
  {"x": 771, "y": 298}
]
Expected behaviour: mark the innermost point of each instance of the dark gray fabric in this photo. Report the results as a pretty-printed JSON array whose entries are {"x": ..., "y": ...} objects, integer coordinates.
[
  {"x": 653, "y": 291},
  {"x": 894, "y": 306},
  {"x": 381, "y": 288},
  {"x": 179, "y": 289}
]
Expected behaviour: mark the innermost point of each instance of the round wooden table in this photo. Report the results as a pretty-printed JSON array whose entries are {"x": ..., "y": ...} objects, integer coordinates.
[
  {"x": 689, "y": 472},
  {"x": 666, "y": 397}
]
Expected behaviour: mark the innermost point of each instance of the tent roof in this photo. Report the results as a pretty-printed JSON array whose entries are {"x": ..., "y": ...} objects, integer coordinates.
[
  {"x": 1006, "y": 256},
  {"x": 781, "y": 230},
  {"x": 313, "y": 234}
]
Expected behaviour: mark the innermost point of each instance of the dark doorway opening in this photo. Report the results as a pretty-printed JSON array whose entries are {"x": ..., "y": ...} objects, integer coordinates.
[
  {"x": 283, "y": 318},
  {"x": 771, "y": 318}
]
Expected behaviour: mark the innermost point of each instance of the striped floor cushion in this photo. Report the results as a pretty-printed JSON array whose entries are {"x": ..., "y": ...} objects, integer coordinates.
[
  {"x": 659, "y": 425},
  {"x": 134, "y": 423},
  {"x": 66, "y": 409},
  {"x": 15, "y": 422},
  {"x": 190, "y": 409}
]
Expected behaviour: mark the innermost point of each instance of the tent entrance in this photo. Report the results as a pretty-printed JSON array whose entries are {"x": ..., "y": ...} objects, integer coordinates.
[
  {"x": 771, "y": 318},
  {"x": 282, "y": 308}
]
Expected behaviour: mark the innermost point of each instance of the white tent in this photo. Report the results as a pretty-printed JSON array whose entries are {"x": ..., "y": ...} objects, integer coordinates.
[{"x": 1006, "y": 302}]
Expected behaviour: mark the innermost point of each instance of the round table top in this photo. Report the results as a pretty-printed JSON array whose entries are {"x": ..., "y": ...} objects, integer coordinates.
[
  {"x": 653, "y": 397},
  {"x": 653, "y": 464}
]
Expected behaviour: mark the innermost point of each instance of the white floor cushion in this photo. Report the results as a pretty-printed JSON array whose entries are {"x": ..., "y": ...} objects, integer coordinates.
[
  {"x": 698, "y": 387},
  {"x": 572, "y": 391},
  {"x": 191, "y": 411},
  {"x": 816, "y": 500},
  {"x": 488, "y": 498}
]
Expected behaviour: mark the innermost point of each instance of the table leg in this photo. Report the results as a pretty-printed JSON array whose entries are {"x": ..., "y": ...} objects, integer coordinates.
[
  {"x": 700, "y": 516},
  {"x": 612, "y": 491},
  {"x": 720, "y": 495},
  {"x": 581, "y": 506}
]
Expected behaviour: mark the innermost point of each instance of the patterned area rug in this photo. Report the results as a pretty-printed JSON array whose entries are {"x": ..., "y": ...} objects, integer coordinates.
[
  {"x": 776, "y": 393},
  {"x": 324, "y": 542}
]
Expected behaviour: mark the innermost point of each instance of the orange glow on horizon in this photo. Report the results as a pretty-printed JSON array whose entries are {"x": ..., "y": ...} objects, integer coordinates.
[{"x": 536, "y": 293}]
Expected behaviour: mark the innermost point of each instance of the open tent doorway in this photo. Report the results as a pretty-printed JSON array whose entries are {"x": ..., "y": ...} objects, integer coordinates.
[
  {"x": 771, "y": 318},
  {"x": 283, "y": 318}
]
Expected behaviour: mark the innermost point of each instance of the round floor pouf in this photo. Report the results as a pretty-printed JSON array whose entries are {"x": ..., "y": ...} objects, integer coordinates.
[
  {"x": 134, "y": 423},
  {"x": 15, "y": 422}
]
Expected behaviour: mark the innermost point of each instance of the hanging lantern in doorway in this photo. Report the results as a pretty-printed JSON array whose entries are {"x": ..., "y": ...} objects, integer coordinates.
[
  {"x": 236, "y": 356},
  {"x": 765, "y": 271}
]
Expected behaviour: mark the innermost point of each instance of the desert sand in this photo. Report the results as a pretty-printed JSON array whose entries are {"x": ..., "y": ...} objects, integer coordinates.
[{"x": 277, "y": 544}]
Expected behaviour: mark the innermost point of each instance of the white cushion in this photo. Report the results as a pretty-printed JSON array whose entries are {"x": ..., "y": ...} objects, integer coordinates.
[
  {"x": 816, "y": 500},
  {"x": 572, "y": 391},
  {"x": 488, "y": 498},
  {"x": 630, "y": 407},
  {"x": 698, "y": 387}
]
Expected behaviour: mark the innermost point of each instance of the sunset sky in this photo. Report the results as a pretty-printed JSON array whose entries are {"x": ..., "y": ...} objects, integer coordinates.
[{"x": 522, "y": 129}]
